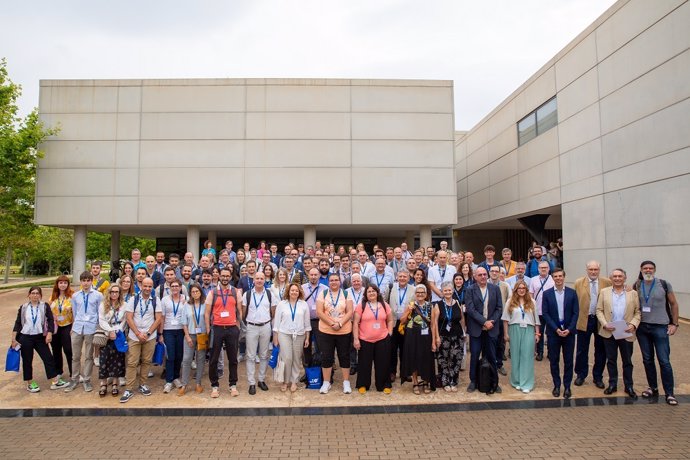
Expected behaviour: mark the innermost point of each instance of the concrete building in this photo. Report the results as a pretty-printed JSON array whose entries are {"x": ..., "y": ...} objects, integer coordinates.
[
  {"x": 598, "y": 142},
  {"x": 236, "y": 158}
]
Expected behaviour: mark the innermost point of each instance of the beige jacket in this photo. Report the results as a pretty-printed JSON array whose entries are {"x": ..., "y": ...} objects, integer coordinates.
[
  {"x": 605, "y": 314},
  {"x": 581, "y": 287}
]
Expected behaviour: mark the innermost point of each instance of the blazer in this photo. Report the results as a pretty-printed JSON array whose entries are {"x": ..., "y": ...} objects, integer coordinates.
[
  {"x": 581, "y": 286},
  {"x": 475, "y": 309},
  {"x": 549, "y": 309},
  {"x": 605, "y": 314}
]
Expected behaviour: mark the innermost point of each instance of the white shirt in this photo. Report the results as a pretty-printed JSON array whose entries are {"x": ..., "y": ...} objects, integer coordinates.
[
  {"x": 37, "y": 313},
  {"x": 560, "y": 299},
  {"x": 618, "y": 306},
  {"x": 259, "y": 307},
  {"x": 438, "y": 275},
  {"x": 400, "y": 298},
  {"x": 286, "y": 324},
  {"x": 367, "y": 270},
  {"x": 144, "y": 316},
  {"x": 537, "y": 286},
  {"x": 173, "y": 312},
  {"x": 355, "y": 296}
]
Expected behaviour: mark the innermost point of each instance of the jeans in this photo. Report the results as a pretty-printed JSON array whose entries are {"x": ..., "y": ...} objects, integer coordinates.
[
  {"x": 174, "y": 340},
  {"x": 653, "y": 337},
  {"x": 187, "y": 358}
]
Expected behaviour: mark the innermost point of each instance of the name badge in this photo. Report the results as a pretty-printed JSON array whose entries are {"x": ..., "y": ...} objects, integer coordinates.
[
  {"x": 87, "y": 318},
  {"x": 523, "y": 324},
  {"x": 174, "y": 322},
  {"x": 313, "y": 307},
  {"x": 425, "y": 331},
  {"x": 61, "y": 318},
  {"x": 646, "y": 309},
  {"x": 199, "y": 330},
  {"x": 448, "y": 327},
  {"x": 224, "y": 314},
  {"x": 376, "y": 326}
]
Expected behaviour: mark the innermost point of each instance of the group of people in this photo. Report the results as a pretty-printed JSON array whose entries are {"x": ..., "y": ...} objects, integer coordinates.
[{"x": 401, "y": 314}]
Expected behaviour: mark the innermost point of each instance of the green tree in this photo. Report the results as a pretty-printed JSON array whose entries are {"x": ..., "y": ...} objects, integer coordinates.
[
  {"x": 19, "y": 155},
  {"x": 50, "y": 249}
]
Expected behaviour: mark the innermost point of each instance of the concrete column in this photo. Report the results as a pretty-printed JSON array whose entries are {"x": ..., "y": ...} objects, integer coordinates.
[
  {"x": 193, "y": 241},
  {"x": 114, "y": 245},
  {"x": 409, "y": 239},
  {"x": 457, "y": 246},
  {"x": 309, "y": 235},
  {"x": 425, "y": 235},
  {"x": 213, "y": 238},
  {"x": 78, "y": 252}
]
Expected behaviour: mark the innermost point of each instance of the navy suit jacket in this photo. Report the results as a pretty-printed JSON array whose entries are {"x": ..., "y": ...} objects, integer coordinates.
[
  {"x": 549, "y": 310},
  {"x": 475, "y": 309}
]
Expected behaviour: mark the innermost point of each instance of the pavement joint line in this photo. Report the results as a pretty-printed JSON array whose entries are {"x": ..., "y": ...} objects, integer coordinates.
[{"x": 335, "y": 410}]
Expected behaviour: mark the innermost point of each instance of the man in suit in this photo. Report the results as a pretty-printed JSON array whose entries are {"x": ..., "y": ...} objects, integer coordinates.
[
  {"x": 484, "y": 310},
  {"x": 617, "y": 304},
  {"x": 560, "y": 310},
  {"x": 588, "y": 289}
]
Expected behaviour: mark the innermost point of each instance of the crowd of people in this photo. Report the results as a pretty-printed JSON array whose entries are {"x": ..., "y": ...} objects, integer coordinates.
[{"x": 392, "y": 314}]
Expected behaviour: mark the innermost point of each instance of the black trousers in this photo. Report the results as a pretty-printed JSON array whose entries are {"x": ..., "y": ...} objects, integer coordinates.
[
  {"x": 377, "y": 353},
  {"x": 613, "y": 347},
  {"x": 558, "y": 345},
  {"x": 397, "y": 344},
  {"x": 313, "y": 346},
  {"x": 36, "y": 342},
  {"x": 62, "y": 342},
  {"x": 230, "y": 337}
]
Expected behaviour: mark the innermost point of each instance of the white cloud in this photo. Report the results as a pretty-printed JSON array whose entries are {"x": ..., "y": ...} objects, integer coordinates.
[{"x": 488, "y": 48}]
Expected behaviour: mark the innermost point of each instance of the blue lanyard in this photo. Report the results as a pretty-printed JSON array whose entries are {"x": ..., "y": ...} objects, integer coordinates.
[
  {"x": 175, "y": 308},
  {"x": 460, "y": 295},
  {"x": 375, "y": 313},
  {"x": 282, "y": 291},
  {"x": 486, "y": 293},
  {"x": 197, "y": 315},
  {"x": 115, "y": 315},
  {"x": 292, "y": 274},
  {"x": 356, "y": 297},
  {"x": 60, "y": 305},
  {"x": 257, "y": 304},
  {"x": 378, "y": 283},
  {"x": 401, "y": 298},
  {"x": 224, "y": 298},
  {"x": 442, "y": 273},
  {"x": 86, "y": 301},
  {"x": 136, "y": 288},
  {"x": 335, "y": 303},
  {"x": 143, "y": 312},
  {"x": 293, "y": 311},
  {"x": 127, "y": 297},
  {"x": 34, "y": 315},
  {"x": 449, "y": 310},
  {"x": 523, "y": 312},
  {"x": 250, "y": 282},
  {"x": 647, "y": 295},
  {"x": 424, "y": 310}
]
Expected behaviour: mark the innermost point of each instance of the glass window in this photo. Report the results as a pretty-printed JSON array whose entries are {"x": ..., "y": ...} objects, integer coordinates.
[
  {"x": 547, "y": 116},
  {"x": 527, "y": 129}
]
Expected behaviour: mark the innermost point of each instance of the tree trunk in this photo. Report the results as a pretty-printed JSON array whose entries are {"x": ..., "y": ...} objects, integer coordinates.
[{"x": 8, "y": 262}]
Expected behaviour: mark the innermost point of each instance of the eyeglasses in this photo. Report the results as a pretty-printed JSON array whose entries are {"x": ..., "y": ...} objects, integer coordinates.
[
  {"x": 114, "y": 292},
  {"x": 420, "y": 293}
]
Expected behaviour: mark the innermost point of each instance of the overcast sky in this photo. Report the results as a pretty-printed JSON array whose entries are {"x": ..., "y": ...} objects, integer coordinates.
[{"x": 487, "y": 47}]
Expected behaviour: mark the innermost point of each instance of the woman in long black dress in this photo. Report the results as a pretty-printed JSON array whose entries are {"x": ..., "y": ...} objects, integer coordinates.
[{"x": 421, "y": 336}]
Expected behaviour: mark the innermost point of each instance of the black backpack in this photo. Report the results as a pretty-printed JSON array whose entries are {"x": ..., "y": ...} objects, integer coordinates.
[{"x": 487, "y": 377}]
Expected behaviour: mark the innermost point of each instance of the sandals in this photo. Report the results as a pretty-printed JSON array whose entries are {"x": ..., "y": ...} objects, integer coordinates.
[
  {"x": 103, "y": 390},
  {"x": 671, "y": 400},
  {"x": 648, "y": 393},
  {"x": 415, "y": 389},
  {"x": 115, "y": 390},
  {"x": 293, "y": 387}
]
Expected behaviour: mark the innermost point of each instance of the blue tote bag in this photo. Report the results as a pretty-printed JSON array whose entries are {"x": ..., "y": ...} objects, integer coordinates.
[{"x": 13, "y": 358}]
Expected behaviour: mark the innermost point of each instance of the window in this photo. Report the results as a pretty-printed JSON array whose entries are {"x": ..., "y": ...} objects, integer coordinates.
[{"x": 537, "y": 122}]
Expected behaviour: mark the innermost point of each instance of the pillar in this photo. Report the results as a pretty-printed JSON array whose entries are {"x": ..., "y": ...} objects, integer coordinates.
[
  {"x": 193, "y": 241},
  {"x": 213, "y": 238},
  {"x": 78, "y": 252},
  {"x": 425, "y": 235},
  {"x": 409, "y": 239},
  {"x": 115, "y": 245},
  {"x": 309, "y": 235}
]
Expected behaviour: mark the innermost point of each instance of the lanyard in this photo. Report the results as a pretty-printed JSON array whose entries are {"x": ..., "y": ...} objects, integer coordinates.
[
  {"x": 442, "y": 273},
  {"x": 127, "y": 297},
  {"x": 85, "y": 296},
  {"x": 258, "y": 304},
  {"x": 197, "y": 314},
  {"x": 357, "y": 297},
  {"x": 460, "y": 295},
  {"x": 175, "y": 308},
  {"x": 448, "y": 309},
  {"x": 293, "y": 311},
  {"x": 282, "y": 291},
  {"x": 334, "y": 302},
  {"x": 375, "y": 313},
  {"x": 136, "y": 289},
  {"x": 645, "y": 294},
  {"x": 522, "y": 310},
  {"x": 378, "y": 282},
  {"x": 401, "y": 298},
  {"x": 34, "y": 315},
  {"x": 115, "y": 315},
  {"x": 486, "y": 293},
  {"x": 224, "y": 298},
  {"x": 424, "y": 311},
  {"x": 250, "y": 282},
  {"x": 292, "y": 274},
  {"x": 143, "y": 312},
  {"x": 60, "y": 304}
]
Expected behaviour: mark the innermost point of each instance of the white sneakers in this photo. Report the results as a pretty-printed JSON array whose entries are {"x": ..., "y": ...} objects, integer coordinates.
[
  {"x": 347, "y": 389},
  {"x": 167, "y": 387},
  {"x": 325, "y": 387}
]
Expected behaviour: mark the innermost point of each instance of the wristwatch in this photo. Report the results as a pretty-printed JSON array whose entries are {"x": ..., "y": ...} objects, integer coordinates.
[{"x": 148, "y": 334}]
